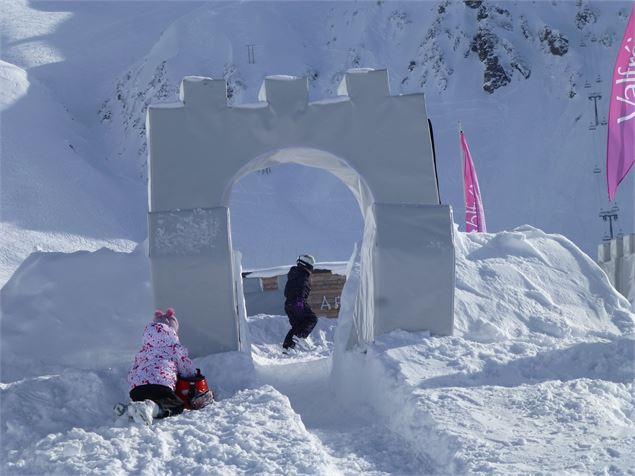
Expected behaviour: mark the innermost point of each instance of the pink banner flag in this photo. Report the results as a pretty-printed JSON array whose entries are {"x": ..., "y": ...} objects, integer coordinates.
[
  {"x": 620, "y": 147},
  {"x": 474, "y": 213}
]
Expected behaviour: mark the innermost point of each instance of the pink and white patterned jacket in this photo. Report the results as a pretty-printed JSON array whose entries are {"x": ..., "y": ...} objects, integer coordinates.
[{"x": 161, "y": 358}]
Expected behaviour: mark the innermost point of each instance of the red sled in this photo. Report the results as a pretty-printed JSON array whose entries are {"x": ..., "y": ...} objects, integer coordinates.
[{"x": 193, "y": 391}]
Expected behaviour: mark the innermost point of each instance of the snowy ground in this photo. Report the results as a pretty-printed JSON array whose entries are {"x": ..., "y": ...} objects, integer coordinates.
[
  {"x": 414, "y": 405},
  {"x": 539, "y": 378}
]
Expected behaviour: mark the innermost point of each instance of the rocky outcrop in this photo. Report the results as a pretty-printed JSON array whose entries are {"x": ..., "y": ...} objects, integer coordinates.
[
  {"x": 498, "y": 54},
  {"x": 554, "y": 42},
  {"x": 484, "y": 45}
]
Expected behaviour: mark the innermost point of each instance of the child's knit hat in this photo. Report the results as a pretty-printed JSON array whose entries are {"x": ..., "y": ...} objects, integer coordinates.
[{"x": 168, "y": 317}]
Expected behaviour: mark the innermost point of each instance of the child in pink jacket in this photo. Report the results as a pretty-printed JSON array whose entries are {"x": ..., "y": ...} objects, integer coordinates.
[{"x": 154, "y": 373}]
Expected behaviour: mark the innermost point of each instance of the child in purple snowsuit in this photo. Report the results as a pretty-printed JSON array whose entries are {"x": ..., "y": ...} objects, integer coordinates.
[
  {"x": 296, "y": 292},
  {"x": 156, "y": 366}
]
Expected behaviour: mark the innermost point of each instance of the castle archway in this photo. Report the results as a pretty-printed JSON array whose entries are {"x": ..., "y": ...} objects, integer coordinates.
[{"x": 377, "y": 144}]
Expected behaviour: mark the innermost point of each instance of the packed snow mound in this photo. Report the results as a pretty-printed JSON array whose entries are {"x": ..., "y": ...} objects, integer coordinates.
[
  {"x": 513, "y": 283},
  {"x": 84, "y": 310},
  {"x": 230, "y": 437}
]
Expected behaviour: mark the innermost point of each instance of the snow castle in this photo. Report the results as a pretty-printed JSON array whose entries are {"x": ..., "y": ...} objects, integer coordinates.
[
  {"x": 617, "y": 258},
  {"x": 378, "y": 145}
]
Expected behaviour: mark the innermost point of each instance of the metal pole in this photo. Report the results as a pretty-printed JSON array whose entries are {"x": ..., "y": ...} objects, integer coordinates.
[{"x": 595, "y": 97}]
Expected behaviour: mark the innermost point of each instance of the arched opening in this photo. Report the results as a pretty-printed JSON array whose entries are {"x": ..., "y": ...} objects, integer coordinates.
[
  {"x": 311, "y": 158},
  {"x": 277, "y": 213}
]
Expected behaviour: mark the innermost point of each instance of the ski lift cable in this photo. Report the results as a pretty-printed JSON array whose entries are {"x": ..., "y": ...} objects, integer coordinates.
[{"x": 595, "y": 141}]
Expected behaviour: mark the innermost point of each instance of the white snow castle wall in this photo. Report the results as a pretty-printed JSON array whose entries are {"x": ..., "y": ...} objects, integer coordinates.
[
  {"x": 617, "y": 259},
  {"x": 379, "y": 145}
]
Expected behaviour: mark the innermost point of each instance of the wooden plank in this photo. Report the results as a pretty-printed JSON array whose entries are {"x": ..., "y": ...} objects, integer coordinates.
[{"x": 326, "y": 290}]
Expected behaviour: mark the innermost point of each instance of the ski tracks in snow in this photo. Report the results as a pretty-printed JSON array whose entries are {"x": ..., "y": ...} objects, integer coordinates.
[{"x": 353, "y": 435}]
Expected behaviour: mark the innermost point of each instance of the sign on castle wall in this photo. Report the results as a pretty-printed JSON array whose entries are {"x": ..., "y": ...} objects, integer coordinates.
[{"x": 326, "y": 291}]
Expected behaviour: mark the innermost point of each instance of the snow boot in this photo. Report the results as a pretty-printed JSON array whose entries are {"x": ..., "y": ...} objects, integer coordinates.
[
  {"x": 290, "y": 351},
  {"x": 289, "y": 341},
  {"x": 305, "y": 345},
  {"x": 120, "y": 411},
  {"x": 143, "y": 412}
]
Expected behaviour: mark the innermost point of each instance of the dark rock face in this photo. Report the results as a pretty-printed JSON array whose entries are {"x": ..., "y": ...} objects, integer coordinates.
[
  {"x": 585, "y": 17},
  {"x": 484, "y": 45},
  {"x": 495, "y": 75},
  {"x": 473, "y": 3},
  {"x": 555, "y": 42}
]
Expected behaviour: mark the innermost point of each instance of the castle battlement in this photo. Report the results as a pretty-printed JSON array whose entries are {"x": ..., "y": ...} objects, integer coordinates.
[{"x": 379, "y": 145}]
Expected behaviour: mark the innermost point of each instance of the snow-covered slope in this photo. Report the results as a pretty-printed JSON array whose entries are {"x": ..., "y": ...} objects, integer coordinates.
[
  {"x": 515, "y": 75},
  {"x": 52, "y": 196},
  {"x": 49, "y": 182},
  {"x": 58, "y": 193}
]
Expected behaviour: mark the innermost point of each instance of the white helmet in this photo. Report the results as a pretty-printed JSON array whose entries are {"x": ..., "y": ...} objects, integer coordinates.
[{"x": 306, "y": 260}]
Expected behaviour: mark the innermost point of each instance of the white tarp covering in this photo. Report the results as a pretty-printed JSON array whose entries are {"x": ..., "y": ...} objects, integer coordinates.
[
  {"x": 617, "y": 259},
  {"x": 379, "y": 145}
]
